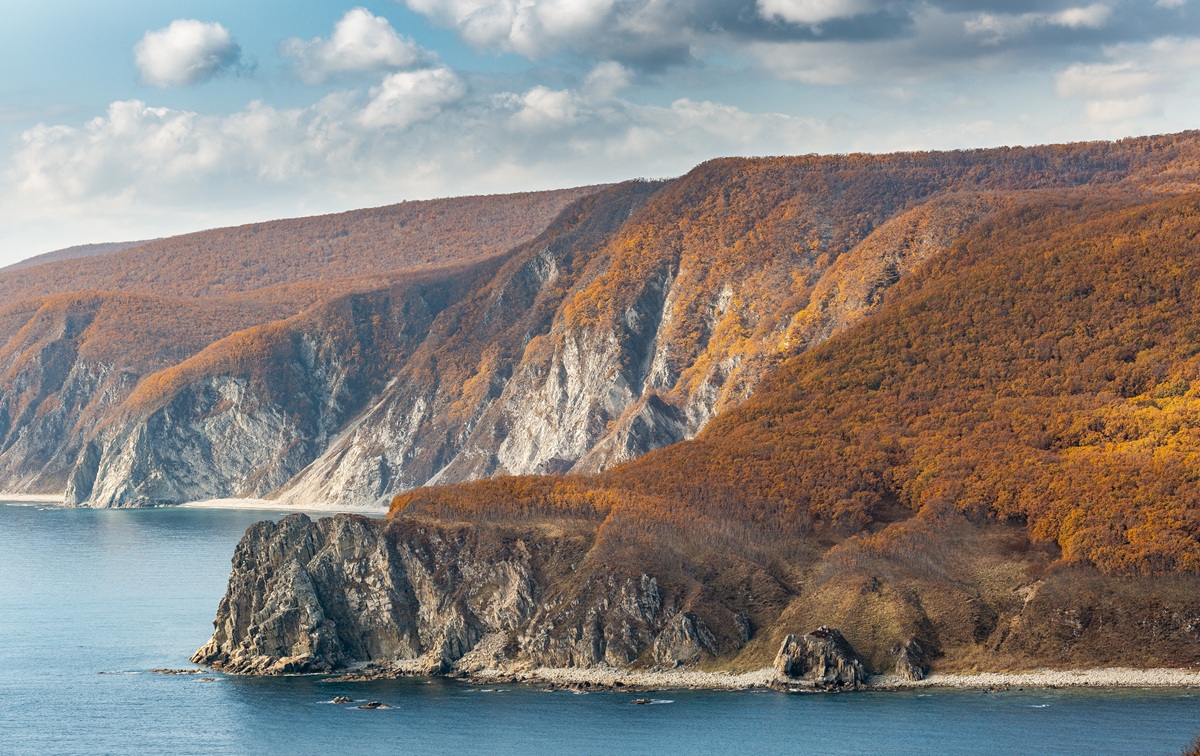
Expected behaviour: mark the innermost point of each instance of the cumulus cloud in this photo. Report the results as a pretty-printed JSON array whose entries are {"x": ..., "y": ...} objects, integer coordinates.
[
  {"x": 418, "y": 133},
  {"x": 408, "y": 97},
  {"x": 361, "y": 41},
  {"x": 995, "y": 28},
  {"x": 644, "y": 33},
  {"x": 902, "y": 39},
  {"x": 185, "y": 52},
  {"x": 1134, "y": 81}
]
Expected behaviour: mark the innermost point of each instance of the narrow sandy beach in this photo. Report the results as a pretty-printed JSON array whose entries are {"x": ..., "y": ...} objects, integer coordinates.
[
  {"x": 276, "y": 506},
  {"x": 248, "y": 504},
  {"x": 20, "y": 498}
]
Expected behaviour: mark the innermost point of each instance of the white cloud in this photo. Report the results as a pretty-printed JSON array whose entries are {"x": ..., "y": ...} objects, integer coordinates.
[
  {"x": 1123, "y": 110},
  {"x": 644, "y": 33},
  {"x": 606, "y": 80},
  {"x": 813, "y": 11},
  {"x": 417, "y": 134},
  {"x": 361, "y": 41},
  {"x": 995, "y": 28},
  {"x": 1170, "y": 3},
  {"x": 1091, "y": 17},
  {"x": 543, "y": 108},
  {"x": 185, "y": 52},
  {"x": 1106, "y": 80},
  {"x": 1137, "y": 80},
  {"x": 407, "y": 97},
  {"x": 533, "y": 28}
]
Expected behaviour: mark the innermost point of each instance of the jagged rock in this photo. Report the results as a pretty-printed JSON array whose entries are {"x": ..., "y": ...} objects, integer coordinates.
[
  {"x": 348, "y": 591},
  {"x": 823, "y": 657},
  {"x": 684, "y": 640},
  {"x": 912, "y": 662}
]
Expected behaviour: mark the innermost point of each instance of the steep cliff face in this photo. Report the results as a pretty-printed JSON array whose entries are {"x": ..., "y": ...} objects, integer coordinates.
[
  {"x": 68, "y": 362},
  {"x": 310, "y": 596},
  {"x": 412, "y": 595},
  {"x": 245, "y": 415}
]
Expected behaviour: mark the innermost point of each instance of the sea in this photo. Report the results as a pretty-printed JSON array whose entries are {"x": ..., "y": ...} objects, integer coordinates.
[{"x": 91, "y": 601}]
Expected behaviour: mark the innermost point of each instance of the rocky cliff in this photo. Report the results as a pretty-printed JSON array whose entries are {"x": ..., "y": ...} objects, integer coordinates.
[
  {"x": 318, "y": 596},
  {"x": 411, "y": 595},
  {"x": 632, "y": 317}
]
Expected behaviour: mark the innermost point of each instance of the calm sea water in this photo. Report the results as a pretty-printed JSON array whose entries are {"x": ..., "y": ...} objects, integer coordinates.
[{"x": 86, "y": 593}]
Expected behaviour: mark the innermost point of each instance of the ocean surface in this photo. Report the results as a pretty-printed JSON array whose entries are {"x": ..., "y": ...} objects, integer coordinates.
[{"x": 91, "y": 601}]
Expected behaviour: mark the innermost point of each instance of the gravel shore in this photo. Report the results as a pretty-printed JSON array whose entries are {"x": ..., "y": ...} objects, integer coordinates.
[
  {"x": 607, "y": 678},
  {"x": 1109, "y": 677}
]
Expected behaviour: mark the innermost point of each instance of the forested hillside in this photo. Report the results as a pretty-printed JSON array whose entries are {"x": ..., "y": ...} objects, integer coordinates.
[
  {"x": 407, "y": 236},
  {"x": 345, "y": 359},
  {"x": 998, "y": 466}
]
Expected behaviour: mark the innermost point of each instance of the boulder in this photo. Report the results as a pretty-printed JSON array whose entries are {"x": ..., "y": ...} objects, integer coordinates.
[{"x": 823, "y": 657}]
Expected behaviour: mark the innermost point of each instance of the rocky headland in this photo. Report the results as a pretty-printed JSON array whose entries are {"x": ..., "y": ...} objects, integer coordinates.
[{"x": 368, "y": 599}]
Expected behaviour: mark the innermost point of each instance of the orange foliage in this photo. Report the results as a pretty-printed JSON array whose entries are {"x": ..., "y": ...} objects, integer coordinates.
[{"x": 1039, "y": 372}]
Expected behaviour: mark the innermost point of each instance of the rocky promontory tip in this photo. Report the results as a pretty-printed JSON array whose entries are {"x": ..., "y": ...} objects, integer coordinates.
[{"x": 345, "y": 592}]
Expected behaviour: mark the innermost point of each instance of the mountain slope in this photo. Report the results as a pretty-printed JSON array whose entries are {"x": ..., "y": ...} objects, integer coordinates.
[
  {"x": 72, "y": 253},
  {"x": 639, "y": 313},
  {"x": 407, "y": 236},
  {"x": 997, "y": 469}
]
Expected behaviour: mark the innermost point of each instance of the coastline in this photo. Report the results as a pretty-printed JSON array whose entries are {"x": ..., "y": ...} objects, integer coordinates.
[
  {"x": 1100, "y": 677},
  {"x": 276, "y": 506},
  {"x": 24, "y": 498},
  {"x": 609, "y": 678},
  {"x": 242, "y": 504}
]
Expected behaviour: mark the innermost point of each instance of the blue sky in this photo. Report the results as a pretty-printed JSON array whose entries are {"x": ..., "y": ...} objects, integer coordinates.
[{"x": 145, "y": 118}]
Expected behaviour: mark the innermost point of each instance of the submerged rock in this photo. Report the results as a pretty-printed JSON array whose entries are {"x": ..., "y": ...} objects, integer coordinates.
[{"x": 823, "y": 657}]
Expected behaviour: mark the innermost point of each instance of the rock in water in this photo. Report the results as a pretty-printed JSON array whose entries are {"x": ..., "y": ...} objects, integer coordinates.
[{"x": 823, "y": 657}]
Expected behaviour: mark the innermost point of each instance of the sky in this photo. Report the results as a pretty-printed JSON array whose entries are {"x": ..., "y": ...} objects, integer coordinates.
[{"x": 135, "y": 119}]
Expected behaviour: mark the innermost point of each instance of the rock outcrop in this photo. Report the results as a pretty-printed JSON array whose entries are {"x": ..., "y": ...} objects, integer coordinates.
[
  {"x": 318, "y": 596},
  {"x": 912, "y": 660},
  {"x": 823, "y": 657}
]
